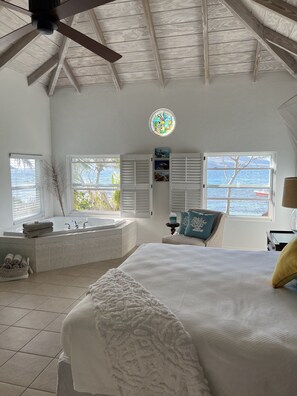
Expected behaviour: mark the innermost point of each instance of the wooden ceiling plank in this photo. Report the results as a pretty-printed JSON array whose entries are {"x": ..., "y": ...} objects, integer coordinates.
[
  {"x": 71, "y": 77},
  {"x": 204, "y": 10},
  {"x": 17, "y": 48},
  {"x": 62, "y": 55},
  {"x": 100, "y": 37},
  {"x": 280, "y": 7},
  {"x": 257, "y": 29},
  {"x": 257, "y": 61},
  {"x": 153, "y": 39},
  {"x": 43, "y": 69}
]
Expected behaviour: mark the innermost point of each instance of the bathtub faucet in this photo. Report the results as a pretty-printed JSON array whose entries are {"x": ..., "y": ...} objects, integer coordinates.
[
  {"x": 68, "y": 226},
  {"x": 84, "y": 225}
]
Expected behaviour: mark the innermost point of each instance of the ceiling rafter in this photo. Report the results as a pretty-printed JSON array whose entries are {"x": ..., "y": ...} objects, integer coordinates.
[
  {"x": 257, "y": 61},
  {"x": 100, "y": 37},
  {"x": 43, "y": 69},
  {"x": 280, "y": 41},
  {"x": 62, "y": 56},
  {"x": 152, "y": 33},
  {"x": 71, "y": 77},
  {"x": 280, "y": 7},
  {"x": 17, "y": 48},
  {"x": 204, "y": 10},
  {"x": 258, "y": 30}
]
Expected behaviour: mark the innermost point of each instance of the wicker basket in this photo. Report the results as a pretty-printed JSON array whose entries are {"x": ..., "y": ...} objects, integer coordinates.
[{"x": 14, "y": 273}]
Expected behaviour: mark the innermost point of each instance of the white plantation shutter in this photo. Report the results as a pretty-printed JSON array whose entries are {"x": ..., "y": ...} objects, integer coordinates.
[
  {"x": 26, "y": 186},
  {"x": 136, "y": 185},
  {"x": 185, "y": 181}
]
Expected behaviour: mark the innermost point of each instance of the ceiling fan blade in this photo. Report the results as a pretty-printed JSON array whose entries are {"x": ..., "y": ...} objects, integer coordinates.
[
  {"x": 88, "y": 43},
  {"x": 12, "y": 37},
  {"x": 15, "y": 8},
  {"x": 72, "y": 7}
]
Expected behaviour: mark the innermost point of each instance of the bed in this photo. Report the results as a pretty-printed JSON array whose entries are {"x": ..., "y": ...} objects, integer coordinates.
[{"x": 243, "y": 329}]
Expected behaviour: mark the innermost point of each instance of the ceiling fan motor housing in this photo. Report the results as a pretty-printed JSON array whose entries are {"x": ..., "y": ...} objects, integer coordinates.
[{"x": 44, "y": 22}]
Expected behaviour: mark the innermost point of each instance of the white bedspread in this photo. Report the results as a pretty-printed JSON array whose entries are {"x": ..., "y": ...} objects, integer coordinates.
[
  {"x": 149, "y": 350},
  {"x": 243, "y": 329}
]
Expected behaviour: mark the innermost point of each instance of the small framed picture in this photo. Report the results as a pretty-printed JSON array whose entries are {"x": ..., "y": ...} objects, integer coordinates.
[
  {"x": 161, "y": 176},
  {"x": 162, "y": 152},
  {"x": 162, "y": 164}
]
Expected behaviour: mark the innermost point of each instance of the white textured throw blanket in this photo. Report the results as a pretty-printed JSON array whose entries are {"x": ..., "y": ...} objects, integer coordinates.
[{"x": 150, "y": 352}]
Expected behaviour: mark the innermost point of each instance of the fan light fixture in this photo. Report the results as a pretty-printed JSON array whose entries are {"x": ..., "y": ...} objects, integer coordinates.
[
  {"x": 46, "y": 16},
  {"x": 162, "y": 122}
]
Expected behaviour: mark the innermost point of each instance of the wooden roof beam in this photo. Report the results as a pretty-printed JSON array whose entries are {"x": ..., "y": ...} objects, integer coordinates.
[
  {"x": 62, "y": 56},
  {"x": 17, "y": 48},
  {"x": 71, "y": 77},
  {"x": 257, "y": 29},
  {"x": 280, "y": 7},
  {"x": 204, "y": 10},
  {"x": 43, "y": 69},
  {"x": 152, "y": 33},
  {"x": 100, "y": 37},
  {"x": 257, "y": 61},
  {"x": 280, "y": 41}
]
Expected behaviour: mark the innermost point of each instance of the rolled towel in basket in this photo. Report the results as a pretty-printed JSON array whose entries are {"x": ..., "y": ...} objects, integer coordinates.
[
  {"x": 17, "y": 260},
  {"x": 37, "y": 233},
  {"x": 37, "y": 225},
  {"x": 23, "y": 263},
  {"x": 7, "y": 266},
  {"x": 8, "y": 258}
]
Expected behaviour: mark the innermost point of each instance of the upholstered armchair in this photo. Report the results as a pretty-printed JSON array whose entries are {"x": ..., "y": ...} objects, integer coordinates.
[{"x": 214, "y": 240}]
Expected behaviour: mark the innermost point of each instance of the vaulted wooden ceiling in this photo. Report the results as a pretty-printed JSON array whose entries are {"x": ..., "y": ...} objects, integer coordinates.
[{"x": 160, "y": 40}]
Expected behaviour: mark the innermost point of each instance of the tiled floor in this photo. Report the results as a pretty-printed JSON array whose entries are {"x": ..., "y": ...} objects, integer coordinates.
[{"x": 31, "y": 315}]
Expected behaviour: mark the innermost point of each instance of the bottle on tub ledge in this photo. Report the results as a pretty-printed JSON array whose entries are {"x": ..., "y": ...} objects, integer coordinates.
[{"x": 172, "y": 218}]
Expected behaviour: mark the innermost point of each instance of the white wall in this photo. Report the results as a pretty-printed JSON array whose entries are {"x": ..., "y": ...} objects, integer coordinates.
[
  {"x": 24, "y": 128},
  {"x": 232, "y": 114}
]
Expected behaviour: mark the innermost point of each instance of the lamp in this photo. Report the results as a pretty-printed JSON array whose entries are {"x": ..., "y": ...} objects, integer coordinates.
[{"x": 290, "y": 199}]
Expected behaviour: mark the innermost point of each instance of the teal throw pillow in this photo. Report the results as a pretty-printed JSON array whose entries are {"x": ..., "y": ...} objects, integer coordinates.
[
  {"x": 200, "y": 225},
  {"x": 183, "y": 222}
]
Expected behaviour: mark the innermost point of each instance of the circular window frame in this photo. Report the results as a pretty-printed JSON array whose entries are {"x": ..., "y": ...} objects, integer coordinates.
[{"x": 162, "y": 109}]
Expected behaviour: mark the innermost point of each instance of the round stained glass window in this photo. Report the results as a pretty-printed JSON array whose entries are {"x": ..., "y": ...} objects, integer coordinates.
[{"x": 162, "y": 122}]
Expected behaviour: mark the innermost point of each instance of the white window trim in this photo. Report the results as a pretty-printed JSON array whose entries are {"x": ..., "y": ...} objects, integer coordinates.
[
  {"x": 273, "y": 155},
  {"x": 41, "y": 214},
  {"x": 69, "y": 190}
]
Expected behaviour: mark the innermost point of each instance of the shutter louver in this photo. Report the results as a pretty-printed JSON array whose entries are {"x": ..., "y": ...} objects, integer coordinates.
[
  {"x": 185, "y": 181},
  {"x": 136, "y": 185}
]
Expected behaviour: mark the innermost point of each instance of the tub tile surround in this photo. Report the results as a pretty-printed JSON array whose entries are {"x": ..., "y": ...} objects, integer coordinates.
[
  {"x": 30, "y": 344},
  {"x": 67, "y": 250}
]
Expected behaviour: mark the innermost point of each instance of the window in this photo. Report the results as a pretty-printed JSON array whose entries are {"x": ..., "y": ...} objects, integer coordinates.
[
  {"x": 240, "y": 184},
  {"x": 95, "y": 183},
  {"x": 27, "y": 192}
]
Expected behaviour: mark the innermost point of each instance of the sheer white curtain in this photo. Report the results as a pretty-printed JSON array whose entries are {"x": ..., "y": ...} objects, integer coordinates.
[{"x": 288, "y": 111}]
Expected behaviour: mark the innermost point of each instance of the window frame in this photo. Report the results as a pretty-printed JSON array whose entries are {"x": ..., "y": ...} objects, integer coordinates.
[
  {"x": 271, "y": 201},
  {"x": 41, "y": 214},
  {"x": 70, "y": 189}
]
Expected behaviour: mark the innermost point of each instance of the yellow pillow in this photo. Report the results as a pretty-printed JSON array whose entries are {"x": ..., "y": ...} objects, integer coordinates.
[{"x": 286, "y": 266}]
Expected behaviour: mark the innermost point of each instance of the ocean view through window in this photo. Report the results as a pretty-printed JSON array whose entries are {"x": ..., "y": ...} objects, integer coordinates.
[
  {"x": 26, "y": 187},
  {"x": 95, "y": 183},
  {"x": 240, "y": 184}
]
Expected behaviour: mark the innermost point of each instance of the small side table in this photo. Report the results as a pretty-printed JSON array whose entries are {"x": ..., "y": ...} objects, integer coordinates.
[
  {"x": 277, "y": 240},
  {"x": 173, "y": 226}
]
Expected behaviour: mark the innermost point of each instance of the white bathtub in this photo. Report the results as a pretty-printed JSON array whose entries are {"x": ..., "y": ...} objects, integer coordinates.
[
  {"x": 101, "y": 239},
  {"x": 67, "y": 225}
]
